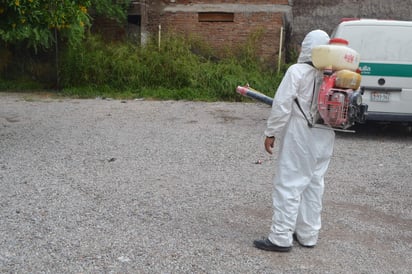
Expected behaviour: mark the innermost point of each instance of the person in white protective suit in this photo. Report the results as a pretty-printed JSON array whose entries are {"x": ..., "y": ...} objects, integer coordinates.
[{"x": 304, "y": 155}]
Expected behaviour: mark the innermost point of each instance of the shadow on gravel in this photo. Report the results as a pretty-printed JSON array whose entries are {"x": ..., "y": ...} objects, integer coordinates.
[{"x": 379, "y": 130}]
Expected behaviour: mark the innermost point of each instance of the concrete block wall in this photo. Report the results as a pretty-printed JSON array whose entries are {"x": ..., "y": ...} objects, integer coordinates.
[{"x": 326, "y": 15}]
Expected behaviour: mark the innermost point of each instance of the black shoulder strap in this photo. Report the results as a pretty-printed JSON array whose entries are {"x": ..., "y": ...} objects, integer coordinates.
[
  {"x": 310, "y": 124},
  {"x": 310, "y": 63},
  {"x": 301, "y": 110}
]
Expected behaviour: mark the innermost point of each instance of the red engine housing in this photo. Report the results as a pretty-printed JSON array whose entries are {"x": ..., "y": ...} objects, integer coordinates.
[{"x": 333, "y": 103}]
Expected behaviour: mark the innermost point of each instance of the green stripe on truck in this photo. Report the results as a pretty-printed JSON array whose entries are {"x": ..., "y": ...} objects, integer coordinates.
[{"x": 379, "y": 69}]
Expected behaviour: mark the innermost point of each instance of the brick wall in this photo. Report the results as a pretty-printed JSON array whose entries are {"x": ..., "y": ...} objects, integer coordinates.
[
  {"x": 185, "y": 2},
  {"x": 298, "y": 17},
  {"x": 108, "y": 29},
  {"x": 230, "y": 34},
  {"x": 262, "y": 16},
  {"x": 249, "y": 18}
]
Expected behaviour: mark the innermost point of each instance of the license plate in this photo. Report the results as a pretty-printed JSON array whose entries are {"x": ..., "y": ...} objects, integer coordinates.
[{"x": 378, "y": 96}]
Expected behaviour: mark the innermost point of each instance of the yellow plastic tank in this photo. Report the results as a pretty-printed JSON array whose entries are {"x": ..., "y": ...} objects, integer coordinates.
[
  {"x": 347, "y": 79},
  {"x": 336, "y": 55}
]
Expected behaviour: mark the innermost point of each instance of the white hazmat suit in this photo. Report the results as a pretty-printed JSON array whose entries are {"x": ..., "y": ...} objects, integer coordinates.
[{"x": 304, "y": 152}]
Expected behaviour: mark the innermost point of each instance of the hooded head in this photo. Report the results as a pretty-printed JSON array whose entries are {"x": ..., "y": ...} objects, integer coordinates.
[{"x": 312, "y": 39}]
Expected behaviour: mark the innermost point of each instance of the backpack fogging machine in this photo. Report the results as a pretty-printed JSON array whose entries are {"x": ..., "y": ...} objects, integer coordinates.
[{"x": 339, "y": 99}]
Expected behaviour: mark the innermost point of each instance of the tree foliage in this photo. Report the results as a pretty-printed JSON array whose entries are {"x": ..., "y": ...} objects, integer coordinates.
[
  {"x": 113, "y": 9},
  {"x": 35, "y": 23}
]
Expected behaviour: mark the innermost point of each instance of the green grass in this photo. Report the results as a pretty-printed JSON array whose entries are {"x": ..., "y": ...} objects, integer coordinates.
[{"x": 19, "y": 84}]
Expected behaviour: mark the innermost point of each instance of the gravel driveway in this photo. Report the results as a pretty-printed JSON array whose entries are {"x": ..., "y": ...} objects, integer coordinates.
[{"x": 109, "y": 186}]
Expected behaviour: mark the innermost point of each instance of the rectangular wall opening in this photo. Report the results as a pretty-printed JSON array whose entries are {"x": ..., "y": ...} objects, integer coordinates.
[{"x": 216, "y": 16}]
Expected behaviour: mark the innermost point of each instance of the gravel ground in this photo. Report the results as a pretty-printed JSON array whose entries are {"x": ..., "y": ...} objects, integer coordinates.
[{"x": 109, "y": 186}]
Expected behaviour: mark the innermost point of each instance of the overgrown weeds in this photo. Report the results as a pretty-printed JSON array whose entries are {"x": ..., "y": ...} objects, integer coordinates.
[{"x": 181, "y": 68}]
